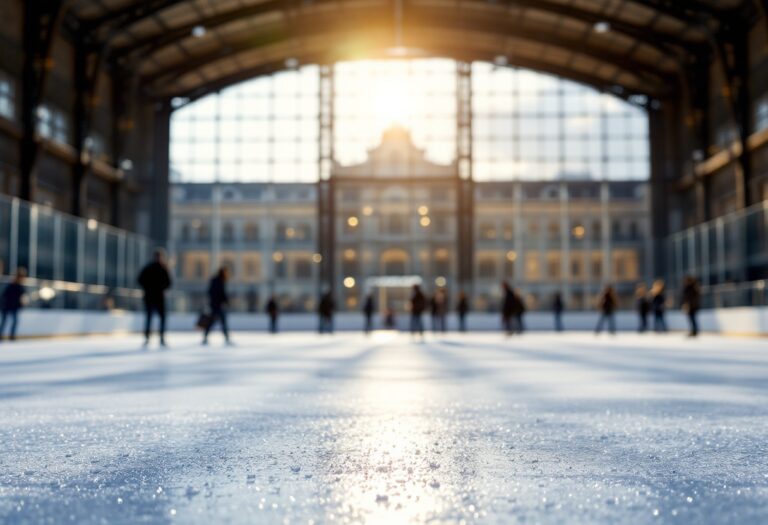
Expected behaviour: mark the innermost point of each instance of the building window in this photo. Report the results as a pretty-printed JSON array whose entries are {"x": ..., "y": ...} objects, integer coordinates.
[
  {"x": 532, "y": 266},
  {"x": 200, "y": 270},
  {"x": 185, "y": 232},
  {"x": 251, "y": 232},
  {"x": 486, "y": 268},
  {"x": 280, "y": 269},
  {"x": 509, "y": 268},
  {"x": 396, "y": 225},
  {"x": 228, "y": 232},
  {"x": 761, "y": 113},
  {"x": 7, "y": 97},
  {"x": 303, "y": 269},
  {"x": 554, "y": 230},
  {"x": 52, "y": 124},
  {"x": 487, "y": 231}
]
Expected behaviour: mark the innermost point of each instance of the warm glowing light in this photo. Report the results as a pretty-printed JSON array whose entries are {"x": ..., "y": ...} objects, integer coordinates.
[
  {"x": 317, "y": 258},
  {"x": 392, "y": 102},
  {"x": 367, "y": 211},
  {"x": 423, "y": 210},
  {"x": 440, "y": 281},
  {"x": 511, "y": 255},
  {"x": 349, "y": 282},
  {"x": 425, "y": 221},
  {"x": 92, "y": 224},
  {"x": 277, "y": 256},
  {"x": 353, "y": 222},
  {"x": 349, "y": 254},
  {"x": 290, "y": 233},
  {"x": 579, "y": 231}
]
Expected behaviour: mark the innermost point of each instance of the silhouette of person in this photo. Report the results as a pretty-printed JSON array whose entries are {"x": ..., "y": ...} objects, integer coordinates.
[
  {"x": 691, "y": 303},
  {"x": 325, "y": 311},
  {"x": 390, "y": 321},
  {"x": 643, "y": 307},
  {"x": 518, "y": 311},
  {"x": 418, "y": 306},
  {"x": 557, "y": 308},
  {"x": 462, "y": 308},
  {"x": 11, "y": 302},
  {"x": 369, "y": 308},
  {"x": 607, "y": 304},
  {"x": 252, "y": 299},
  {"x": 155, "y": 280},
  {"x": 658, "y": 304},
  {"x": 273, "y": 311},
  {"x": 218, "y": 301},
  {"x": 439, "y": 312}
]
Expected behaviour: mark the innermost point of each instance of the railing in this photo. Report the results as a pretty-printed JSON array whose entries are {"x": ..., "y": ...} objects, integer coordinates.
[{"x": 73, "y": 262}]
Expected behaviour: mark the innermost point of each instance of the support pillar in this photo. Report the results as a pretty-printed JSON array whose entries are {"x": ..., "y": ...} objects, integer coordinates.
[
  {"x": 325, "y": 187},
  {"x": 465, "y": 190}
]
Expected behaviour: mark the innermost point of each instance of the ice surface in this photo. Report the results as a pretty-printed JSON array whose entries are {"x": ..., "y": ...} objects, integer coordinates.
[{"x": 346, "y": 429}]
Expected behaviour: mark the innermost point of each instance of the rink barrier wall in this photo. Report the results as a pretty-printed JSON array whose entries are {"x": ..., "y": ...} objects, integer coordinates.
[{"x": 47, "y": 323}]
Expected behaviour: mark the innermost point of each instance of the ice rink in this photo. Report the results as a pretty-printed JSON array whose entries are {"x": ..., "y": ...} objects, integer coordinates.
[{"x": 346, "y": 429}]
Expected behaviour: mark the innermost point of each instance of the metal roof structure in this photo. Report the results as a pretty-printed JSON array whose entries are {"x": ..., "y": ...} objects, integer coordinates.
[{"x": 189, "y": 48}]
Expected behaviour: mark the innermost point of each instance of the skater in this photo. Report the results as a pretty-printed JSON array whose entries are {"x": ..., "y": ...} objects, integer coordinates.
[
  {"x": 691, "y": 303},
  {"x": 390, "y": 320},
  {"x": 155, "y": 280},
  {"x": 418, "y": 305},
  {"x": 507, "y": 308},
  {"x": 439, "y": 308},
  {"x": 219, "y": 301},
  {"x": 658, "y": 303},
  {"x": 325, "y": 311},
  {"x": 557, "y": 309},
  {"x": 462, "y": 308},
  {"x": 643, "y": 307},
  {"x": 518, "y": 312},
  {"x": 607, "y": 304},
  {"x": 273, "y": 311},
  {"x": 11, "y": 302},
  {"x": 369, "y": 308}
]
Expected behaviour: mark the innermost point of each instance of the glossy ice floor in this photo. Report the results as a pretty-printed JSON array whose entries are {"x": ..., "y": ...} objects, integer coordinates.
[{"x": 346, "y": 429}]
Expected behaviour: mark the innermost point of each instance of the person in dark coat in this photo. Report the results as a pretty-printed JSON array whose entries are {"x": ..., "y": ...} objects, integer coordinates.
[
  {"x": 369, "y": 308},
  {"x": 155, "y": 280},
  {"x": 557, "y": 308},
  {"x": 658, "y": 304},
  {"x": 11, "y": 302},
  {"x": 273, "y": 311},
  {"x": 643, "y": 307},
  {"x": 691, "y": 303},
  {"x": 439, "y": 311},
  {"x": 218, "y": 301},
  {"x": 325, "y": 311},
  {"x": 607, "y": 304},
  {"x": 462, "y": 308},
  {"x": 418, "y": 306},
  {"x": 518, "y": 310}
]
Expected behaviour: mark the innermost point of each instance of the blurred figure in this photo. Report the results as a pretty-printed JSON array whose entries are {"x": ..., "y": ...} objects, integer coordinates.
[
  {"x": 462, "y": 308},
  {"x": 643, "y": 307},
  {"x": 390, "y": 320},
  {"x": 507, "y": 307},
  {"x": 607, "y": 304},
  {"x": 418, "y": 306},
  {"x": 658, "y": 303},
  {"x": 325, "y": 311},
  {"x": 273, "y": 311},
  {"x": 519, "y": 311},
  {"x": 11, "y": 302},
  {"x": 557, "y": 308},
  {"x": 155, "y": 280},
  {"x": 218, "y": 300},
  {"x": 369, "y": 308},
  {"x": 252, "y": 299},
  {"x": 691, "y": 303},
  {"x": 439, "y": 311}
]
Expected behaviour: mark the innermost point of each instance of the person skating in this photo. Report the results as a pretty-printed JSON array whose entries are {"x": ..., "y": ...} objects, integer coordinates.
[
  {"x": 154, "y": 279},
  {"x": 658, "y": 304},
  {"x": 325, "y": 312},
  {"x": 462, "y": 308},
  {"x": 518, "y": 311},
  {"x": 218, "y": 301},
  {"x": 273, "y": 312},
  {"x": 11, "y": 302},
  {"x": 418, "y": 306},
  {"x": 439, "y": 311},
  {"x": 369, "y": 308},
  {"x": 607, "y": 304},
  {"x": 508, "y": 301},
  {"x": 557, "y": 309},
  {"x": 691, "y": 303}
]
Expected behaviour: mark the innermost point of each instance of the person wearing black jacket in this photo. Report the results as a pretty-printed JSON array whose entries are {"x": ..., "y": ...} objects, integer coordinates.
[
  {"x": 658, "y": 303},
  {"x": 273, "y": 311},
  {"x": 643, "y": 307},
  {"x": 10, "y": 303},
  {"x": 557, "y": 308},
  {"x": 369, "y": 308},
  {"x": 325, "y": 311},
  {"x": 155, "y": 280},
  {"x": 462, "y": 307},
  {"x": 508, "y": 308},
  {"x": 607, "y": 305},
  {"x": 691, "y": 303},
  {"x": 218, "y": 300},
  {"x": 418, "y": 306}
]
